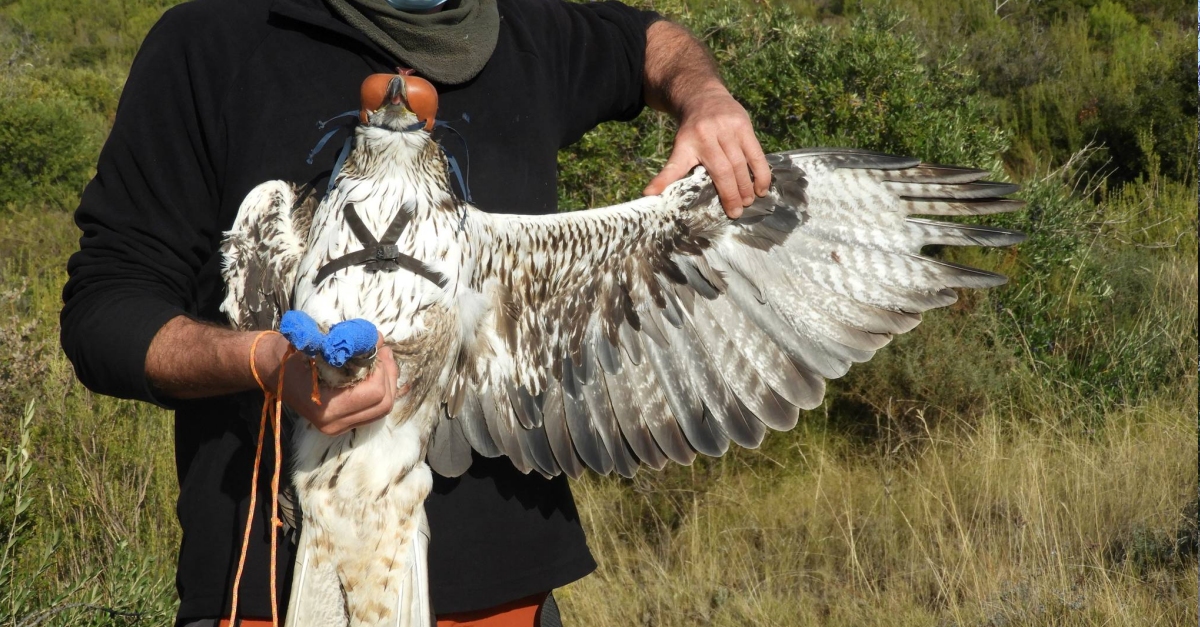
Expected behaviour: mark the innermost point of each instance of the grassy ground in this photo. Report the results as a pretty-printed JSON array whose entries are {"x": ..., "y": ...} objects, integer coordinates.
[
  {"x": 1027, "y": 457},
  {"x": 1005, "y": 521}
]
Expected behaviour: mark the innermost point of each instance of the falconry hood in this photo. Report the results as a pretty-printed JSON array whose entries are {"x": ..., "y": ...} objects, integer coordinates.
[
  {"x": 397, "y": 114},
  {"x": 398, "y": 102}
]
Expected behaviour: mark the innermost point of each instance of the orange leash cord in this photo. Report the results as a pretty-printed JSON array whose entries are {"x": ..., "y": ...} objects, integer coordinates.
[{"x": 272, "y": 409}]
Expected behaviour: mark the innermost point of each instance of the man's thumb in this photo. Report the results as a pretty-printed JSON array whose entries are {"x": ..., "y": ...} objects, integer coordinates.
[{"x": 673, "y": 171}]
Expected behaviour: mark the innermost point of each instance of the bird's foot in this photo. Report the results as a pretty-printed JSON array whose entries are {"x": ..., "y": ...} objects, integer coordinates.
[{"x": 343, "y": 356}]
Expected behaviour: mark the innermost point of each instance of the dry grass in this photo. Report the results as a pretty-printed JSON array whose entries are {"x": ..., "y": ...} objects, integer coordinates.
[{"x": 1004, "y": 522}]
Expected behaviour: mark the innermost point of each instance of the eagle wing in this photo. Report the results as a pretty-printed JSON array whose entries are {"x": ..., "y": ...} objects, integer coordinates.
[
  {"x": 261, "y": 252},
  {"x": 655, "y": 330}
]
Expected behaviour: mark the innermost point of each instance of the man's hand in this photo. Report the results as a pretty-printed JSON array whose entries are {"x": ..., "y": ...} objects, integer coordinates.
[
  {"x": 189, "y": 359},
  {"x": 714, "y": 130},
  {"x": 341, "y": 409}
]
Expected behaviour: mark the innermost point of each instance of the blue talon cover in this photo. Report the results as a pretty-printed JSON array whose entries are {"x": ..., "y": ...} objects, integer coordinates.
[
  {"x": 349, "y": 339},
  {"x": 302, "y": 331}
]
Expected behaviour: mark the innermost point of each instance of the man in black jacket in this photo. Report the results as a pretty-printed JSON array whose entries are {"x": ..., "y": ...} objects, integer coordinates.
[{"x": 226, "y": 94}]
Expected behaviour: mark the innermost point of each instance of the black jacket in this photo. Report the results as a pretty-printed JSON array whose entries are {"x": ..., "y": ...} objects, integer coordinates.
[{"x": 226, "y": 94}]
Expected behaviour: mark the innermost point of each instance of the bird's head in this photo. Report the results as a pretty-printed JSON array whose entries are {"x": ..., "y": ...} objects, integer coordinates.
[{"x": 398, "y": 102}]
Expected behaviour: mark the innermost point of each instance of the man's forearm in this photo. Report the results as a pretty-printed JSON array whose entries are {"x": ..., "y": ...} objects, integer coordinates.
[
  {"x": 679, "y": 69},
  {"x": 190, "y": 359}
]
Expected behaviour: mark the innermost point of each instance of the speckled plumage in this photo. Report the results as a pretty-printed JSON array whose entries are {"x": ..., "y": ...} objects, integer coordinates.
[{"x": 607, "y": 339}]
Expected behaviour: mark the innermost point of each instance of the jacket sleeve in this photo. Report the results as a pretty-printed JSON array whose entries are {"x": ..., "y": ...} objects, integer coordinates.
[
  {"x": 149, "y": 217},
  {"x": 601, "y": 62}
]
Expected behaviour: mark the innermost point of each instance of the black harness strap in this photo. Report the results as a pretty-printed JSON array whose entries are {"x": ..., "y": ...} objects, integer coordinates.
[{"x": 382, "y": 255}]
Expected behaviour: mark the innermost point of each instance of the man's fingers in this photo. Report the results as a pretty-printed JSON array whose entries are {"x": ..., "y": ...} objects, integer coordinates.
[
  {"x": 724, "y": 180},
  {"x": 758, "y": 165},
  {"x": 361, "y": 417},
  {"x": 347, "y": 407},
  {"x": 741, "y": 169}
]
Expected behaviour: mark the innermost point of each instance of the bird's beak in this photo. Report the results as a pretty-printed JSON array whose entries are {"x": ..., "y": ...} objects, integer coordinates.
[
  {"x": 396, "y": 94},
  {"x": 375, "y": 100}
]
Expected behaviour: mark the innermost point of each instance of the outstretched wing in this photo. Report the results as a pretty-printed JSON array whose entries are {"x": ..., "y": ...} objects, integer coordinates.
[
  {"x": 652, "y": 331},
  {"x": 260, "y": 254}
]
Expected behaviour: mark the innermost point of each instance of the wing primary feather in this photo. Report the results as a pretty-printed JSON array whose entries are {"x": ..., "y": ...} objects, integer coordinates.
[
  {"x": 585, "y": 370},
  {"x": 652, "y": 328},
  {"x": 449, "y": 452},
  {"x": 657, "y": 413},
  {"x": 557, "y": 435},
  {"x": 595, "y": 396},
  {"x": 696, "y": 280},
  {"x": 730, "y": 334},
  {"x": 841, "y": 280},
  {"x": 502, "y": 430},
  {"x": 945, "y": 233},
  {"x": 671, "y": 313},
  {"x": 958, "y": 275},
  {"x": 934, "y": 173},
  {"x": 850, "y": 158},
  {"x": 629, "y": 416},
  {"x": 688, "y": 411},
  {"x": 610, "y": 358},
  {"x": 570, "y": 384},
  {"x": 721, "y": 406},
  {"x": 714, "y": 277},
  {"x": 687, "y": 298},
  {"x": 537, "y": 443},
  {"x": 927, "y": 191},
  {"x": 474, "y": 427},
  {"x": 742, "y": 376},
  {"x": 807, "y": 354},
  {"x": 960, "y": 207},
  {"x": 587, "y": 441},
  {"x": 524, "y": 406},
  {"x": 631, "y": 343}
]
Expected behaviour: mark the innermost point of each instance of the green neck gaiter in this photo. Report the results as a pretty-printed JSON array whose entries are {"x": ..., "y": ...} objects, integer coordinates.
[{"x": 448, "y": 47}]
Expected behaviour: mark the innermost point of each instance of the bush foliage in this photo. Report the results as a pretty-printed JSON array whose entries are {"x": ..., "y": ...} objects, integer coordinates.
[
  {"x": 804, "y": 85},
  {"x": 48, "y": 145},
  {"x": 1068, "y": 73}
]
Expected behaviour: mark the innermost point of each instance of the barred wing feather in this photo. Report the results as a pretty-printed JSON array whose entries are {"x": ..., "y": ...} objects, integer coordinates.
[
  {"x": 656, "y": 330},
  {"x": 261, "y": 252}
]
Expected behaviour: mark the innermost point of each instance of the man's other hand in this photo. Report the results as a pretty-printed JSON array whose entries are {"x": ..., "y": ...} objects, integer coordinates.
[{"x": 715, "y": 132}]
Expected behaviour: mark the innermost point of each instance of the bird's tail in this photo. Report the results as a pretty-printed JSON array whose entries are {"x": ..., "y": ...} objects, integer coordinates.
[
  {"x": 316, "y": 596},
  {"x": 370, "y": 591},
  {"x": 414, "y": 598}
]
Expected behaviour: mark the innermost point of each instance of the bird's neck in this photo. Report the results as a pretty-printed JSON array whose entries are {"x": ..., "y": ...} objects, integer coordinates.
[{"x": 382, "y": 155}]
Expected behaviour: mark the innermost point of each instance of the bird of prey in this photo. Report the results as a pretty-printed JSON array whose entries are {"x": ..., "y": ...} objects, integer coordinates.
[{"x": 608, "y": 339}]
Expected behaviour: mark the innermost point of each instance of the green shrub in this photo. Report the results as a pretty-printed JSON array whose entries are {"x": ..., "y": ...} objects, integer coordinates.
[
  {"x": 1069, "y": 73},
  {"x": 804, "y": 85},
  {"x": 49, "y": 141},
  {"x": 97, "y": 90},
  {"x": 1109, "y": 21},
  {"x": 85, "y": 33}
]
